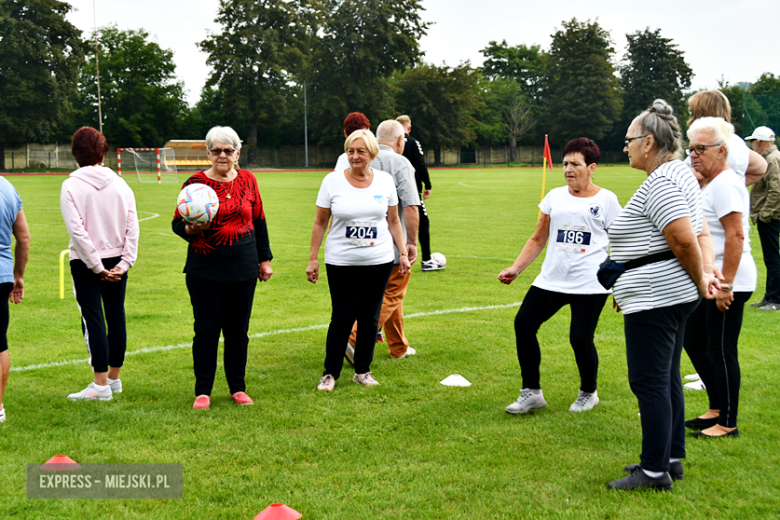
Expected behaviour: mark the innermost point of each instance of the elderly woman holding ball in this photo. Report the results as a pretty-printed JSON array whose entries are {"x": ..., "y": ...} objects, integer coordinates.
[
  {"x": 225, "y": 257},
  {"x": 363, "y": 203}
]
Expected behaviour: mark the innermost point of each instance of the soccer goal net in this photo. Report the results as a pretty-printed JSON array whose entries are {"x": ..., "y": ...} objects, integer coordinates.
[{"x": 148, "y": 164}]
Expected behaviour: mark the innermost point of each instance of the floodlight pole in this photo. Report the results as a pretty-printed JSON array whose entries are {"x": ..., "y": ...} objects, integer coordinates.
[
  {"x": 305, "y": 128},
  {"x": 97, "y": 68}
]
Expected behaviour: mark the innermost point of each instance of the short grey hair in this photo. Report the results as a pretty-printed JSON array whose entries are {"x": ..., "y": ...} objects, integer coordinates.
[
  {"x": 660, "y": 122},
  {"x": 721, "y": 130},
  {"x": 389, "y": 131},
  {"x": 223, "y": 134}
]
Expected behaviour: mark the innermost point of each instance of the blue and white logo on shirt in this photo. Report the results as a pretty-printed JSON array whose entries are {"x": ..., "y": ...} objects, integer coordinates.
[
  {"x": 595, "y": 211},
  {"x": 379, "y": 199}
]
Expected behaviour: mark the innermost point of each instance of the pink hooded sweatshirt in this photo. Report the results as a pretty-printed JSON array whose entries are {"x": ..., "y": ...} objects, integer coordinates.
[{"x": 99, "y": 211}]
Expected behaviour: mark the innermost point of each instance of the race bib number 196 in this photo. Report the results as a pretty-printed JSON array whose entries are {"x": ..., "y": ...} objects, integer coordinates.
[
  {"x": 361, "y": 234},
  {"x": 573, "y": 239}
]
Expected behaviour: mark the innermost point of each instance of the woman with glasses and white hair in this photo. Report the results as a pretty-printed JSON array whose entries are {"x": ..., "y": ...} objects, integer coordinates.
[
  {"x": 363, "y": 205},
  {"x": 225, "y": 258},
  {"x": 747, "y": 164},
  {"x": 658, "y": 232},
  {"x": 712, "y": 332}
]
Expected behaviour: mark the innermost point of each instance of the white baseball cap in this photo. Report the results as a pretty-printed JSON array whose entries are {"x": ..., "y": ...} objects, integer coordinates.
[{"x": 762, "y": 133}]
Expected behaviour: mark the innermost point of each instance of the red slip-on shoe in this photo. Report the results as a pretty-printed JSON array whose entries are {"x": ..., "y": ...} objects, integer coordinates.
[
  {"x": 202, "y": 402},
  {"x": 242, "y": 398}
]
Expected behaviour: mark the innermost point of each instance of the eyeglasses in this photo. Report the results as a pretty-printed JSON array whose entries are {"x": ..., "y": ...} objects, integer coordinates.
[
  {"x": 699, "y": 148},
  {"x": 629, "y": 139},
  {"x": 218, "y": 151}
]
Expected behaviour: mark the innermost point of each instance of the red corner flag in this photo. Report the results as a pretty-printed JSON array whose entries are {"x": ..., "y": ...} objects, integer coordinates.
[
  {"x": 545, "y": 163},
  {"x": 547, "y": 154}
]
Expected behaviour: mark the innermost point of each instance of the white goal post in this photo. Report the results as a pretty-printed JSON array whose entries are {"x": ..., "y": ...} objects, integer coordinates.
[{"x": 148, "y": 161}]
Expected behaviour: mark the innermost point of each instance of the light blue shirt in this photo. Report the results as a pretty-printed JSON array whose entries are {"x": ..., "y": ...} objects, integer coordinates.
[{"x": 10, "y": 204}]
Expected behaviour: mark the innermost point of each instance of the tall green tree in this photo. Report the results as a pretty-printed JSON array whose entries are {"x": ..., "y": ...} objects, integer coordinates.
[
  {"x": 581, "y": 92},
  {"x": 440, "y": 101},
  {"x": 520, "y": 63},
  {"x": 653, "y": 68},
  {"x": 40, "y": 56},
  {"x": 261, "y": 44},
  {"x": 143, "y": 104},
  {"x": 734, "y": 94},
  {"x": 361, "y": 43}
]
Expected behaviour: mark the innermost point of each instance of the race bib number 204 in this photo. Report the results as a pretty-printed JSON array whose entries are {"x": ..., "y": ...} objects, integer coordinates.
[
  {"x": 573, "y": 239},
  {"x": 361, "y": 234}
]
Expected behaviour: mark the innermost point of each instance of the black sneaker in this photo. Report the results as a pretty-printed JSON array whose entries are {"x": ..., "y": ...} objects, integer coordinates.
[
  {"x": 760, "y": 304},
  {"x": 675, "y": 469},
  {"x": 638, "y": 479}
]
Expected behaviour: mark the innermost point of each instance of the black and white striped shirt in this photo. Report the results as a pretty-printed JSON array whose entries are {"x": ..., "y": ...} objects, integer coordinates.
[{"x": 669, "y": 193}]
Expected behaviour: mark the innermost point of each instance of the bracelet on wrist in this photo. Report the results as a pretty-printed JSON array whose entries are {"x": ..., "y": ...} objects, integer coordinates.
[
  {"x": 726, "y": 287},
  {"x": 403, "y": 254}
]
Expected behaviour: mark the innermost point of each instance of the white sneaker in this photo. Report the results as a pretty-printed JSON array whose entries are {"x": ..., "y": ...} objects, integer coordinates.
[
  {"x": 432, "y": 265},
  {"x": 695, "y": 385},
  {"x": 116, "y": 385},
  {"x": 409, "y": 352},
  {"x": 2, "y": 415},
  {"x": 93, "y": 392},
  {"x": 327, "y": 383},
  {"x": 365, "y": 379},
  {"x": 585, "y": 401},
  {"x": 692, "y": 377},
  {"x": 526, "y": 402}
]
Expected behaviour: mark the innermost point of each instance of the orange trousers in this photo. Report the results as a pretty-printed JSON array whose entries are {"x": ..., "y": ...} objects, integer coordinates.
[{"x": 392, "y": 315}]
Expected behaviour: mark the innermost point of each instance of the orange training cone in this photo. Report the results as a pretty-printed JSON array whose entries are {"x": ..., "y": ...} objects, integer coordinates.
[
  {"x": 278, "y": 512},
  {"x": 60, "y": 463}
]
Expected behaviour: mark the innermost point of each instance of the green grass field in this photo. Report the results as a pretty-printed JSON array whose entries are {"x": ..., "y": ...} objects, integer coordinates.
[{"x": 407, "y": 449}]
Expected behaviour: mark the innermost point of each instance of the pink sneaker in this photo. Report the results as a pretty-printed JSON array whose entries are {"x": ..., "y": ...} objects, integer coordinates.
[
  {"x": 242, "y": 398},
  {"x": 202, "y": 402}
]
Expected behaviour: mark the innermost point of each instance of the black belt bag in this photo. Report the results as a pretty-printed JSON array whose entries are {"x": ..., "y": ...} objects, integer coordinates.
[{"x": 610, "y": 271}]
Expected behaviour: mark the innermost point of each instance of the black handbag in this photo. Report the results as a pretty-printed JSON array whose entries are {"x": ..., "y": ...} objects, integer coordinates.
[{"x": 610, "y": 271}]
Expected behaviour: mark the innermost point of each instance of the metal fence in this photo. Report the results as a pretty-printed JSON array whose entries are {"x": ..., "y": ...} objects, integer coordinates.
[{"x": 43, "y": 158}]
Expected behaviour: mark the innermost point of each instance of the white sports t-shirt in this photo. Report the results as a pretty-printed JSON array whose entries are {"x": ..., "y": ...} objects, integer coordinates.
[
  {"x": 578, "y": 240},
  {"x": 738, "y": 158},
  {"x": 727, "y": 194},
  {"x": 359, "y": 234}
]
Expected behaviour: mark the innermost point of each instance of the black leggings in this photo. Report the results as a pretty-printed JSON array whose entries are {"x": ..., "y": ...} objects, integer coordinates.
[
  {"x": 356, "y": 293},
  {"x": 539, "y": 306},
  {"x": 105, "y": 335},
  {"x": 711, "y": 339},
  {"x": 5, "y": 291},
  {"x": 220, "y": 307}
]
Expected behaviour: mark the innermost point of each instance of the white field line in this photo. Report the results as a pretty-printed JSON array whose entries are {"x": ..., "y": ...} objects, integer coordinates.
[
  {"x": 154, "y": 215},
  {"x": 148, "y": 350}
]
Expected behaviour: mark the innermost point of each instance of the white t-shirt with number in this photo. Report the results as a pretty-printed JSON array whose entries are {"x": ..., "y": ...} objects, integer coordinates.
[
  {"x": 359, "y": 234},
  {"x": 578, "y": 240},
  {"x": 727, "y": 194}
]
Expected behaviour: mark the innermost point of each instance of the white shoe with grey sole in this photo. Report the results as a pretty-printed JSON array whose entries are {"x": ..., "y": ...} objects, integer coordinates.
[{"x": 526, "y": 402}]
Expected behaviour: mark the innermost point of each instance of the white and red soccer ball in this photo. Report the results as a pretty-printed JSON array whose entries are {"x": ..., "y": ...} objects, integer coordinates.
[{"x": 197, "y": 203}]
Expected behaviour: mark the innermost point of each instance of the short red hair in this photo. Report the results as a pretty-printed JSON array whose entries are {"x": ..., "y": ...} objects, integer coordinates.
[
  {"x": 88, "y": 146},
  {"x": 356, "y": 121}
]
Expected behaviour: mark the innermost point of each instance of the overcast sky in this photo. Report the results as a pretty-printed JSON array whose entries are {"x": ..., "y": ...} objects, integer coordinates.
[{"x": 731, "y": 39}]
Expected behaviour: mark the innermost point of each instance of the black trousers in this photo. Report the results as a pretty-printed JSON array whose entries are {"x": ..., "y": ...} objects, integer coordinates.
[
  {"x": 220, "y": 307},
  {"x": 356, "y": 293},
  {"x": 105, "y": 336},
  {"x": 424, "y": 231},
  {"x": 711, "y": 339},
  {"x": 5, "y": 291},
  {"x": 654, "y": 342},
  {"x": 539, "y": 306},
  {"x": 769, "y": 234}
]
